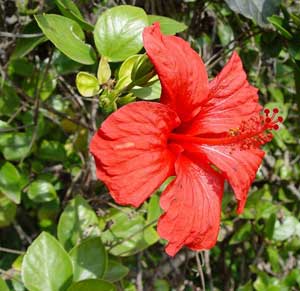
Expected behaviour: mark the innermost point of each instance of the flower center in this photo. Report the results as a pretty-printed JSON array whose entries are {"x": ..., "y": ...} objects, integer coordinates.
[{"x": 250, "y": 134}]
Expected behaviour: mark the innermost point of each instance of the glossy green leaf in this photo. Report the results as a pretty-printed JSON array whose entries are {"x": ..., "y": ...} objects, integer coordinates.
[
  {"x": 168, "y": 25},
  {"x": 10, "y": 182},
  {"x": 41, "y": 191},
  {"x": 3, "y": 286},
  {"x": 26, "y": 45},
  {"x": 87, "y": 84},
  {"x": 286, "y": 228},
  {"x": 277, "y": 22},
  {"x": 67, "y": 36},
  {"x": 124, "y": 74},
  {"x": 92, "y": 285},
  {"x": 17, "y": 146},
  {"x": 118, "y": 32},
  {"x": 52, "y": 151},
  {"x": 153, "y": 210},
  {"x": 270, "y": 226},
  {"x": 69, "y": 9},
  {"x": 46, "y": 265},
  {"x": 77, "y": 222},
  {"x": 8, "y": 211},
  {"x": 128, "y": 234},
  {"x": 151, "y": 92},
  {"x": 115, "y": 271},
  {"x": 257, "y": 10},
  {"x": 89, "y": 259}
]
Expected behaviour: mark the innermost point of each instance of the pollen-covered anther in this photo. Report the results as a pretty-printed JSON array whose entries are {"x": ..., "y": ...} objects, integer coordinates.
[{"x": 271, "y": 122}]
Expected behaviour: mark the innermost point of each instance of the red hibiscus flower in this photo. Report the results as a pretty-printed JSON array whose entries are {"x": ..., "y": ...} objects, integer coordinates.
[{"x": 201, "y": 132}]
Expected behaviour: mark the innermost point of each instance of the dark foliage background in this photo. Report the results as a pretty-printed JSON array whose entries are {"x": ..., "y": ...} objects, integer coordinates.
[{"x": 46, "y": 125}]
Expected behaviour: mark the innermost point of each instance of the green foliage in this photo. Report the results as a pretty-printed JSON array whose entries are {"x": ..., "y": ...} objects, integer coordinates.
[
  {"x": 118, "y": 32},
  {"x": 43, "y": 256},
  {"x": 55, "y": 94},
  {"x": 89, "y": 259},
  {"x": 168, "y": 25},
  {"x": 77, "y": 222},
  {"x": 67, "y": 36}
]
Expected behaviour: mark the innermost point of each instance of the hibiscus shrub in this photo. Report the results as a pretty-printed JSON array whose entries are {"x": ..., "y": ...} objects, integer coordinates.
[{"x": 140, "y": 152}]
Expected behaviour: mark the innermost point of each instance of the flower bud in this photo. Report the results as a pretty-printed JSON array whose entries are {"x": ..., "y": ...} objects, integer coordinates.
[{"x": 104, "y": 71}]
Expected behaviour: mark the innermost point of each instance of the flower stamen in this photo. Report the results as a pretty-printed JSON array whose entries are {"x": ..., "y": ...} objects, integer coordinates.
[{"x": 250, "y": 134}]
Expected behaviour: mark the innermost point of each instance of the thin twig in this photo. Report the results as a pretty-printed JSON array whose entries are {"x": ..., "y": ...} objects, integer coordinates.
[
  {"x": 11, "y": 251},
  {"x": 37, "y": 105},
  {"x": 208, "y": 270},
  {"x": 200, "y": 271},
  {"x": 139, "y": 276},
  {"x": 19, "y": 35}
]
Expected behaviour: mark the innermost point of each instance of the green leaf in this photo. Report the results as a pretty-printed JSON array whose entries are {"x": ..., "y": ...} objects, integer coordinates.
[
  {"x": 46, "y": 83},
  {"x": 151, "y": 92},
  {"x": 9, "y": 101},
  {"x": 118, "y": 32},
  {"x": 104, "y": 72},
  {"x": 26, "y": 45},
  {"x": 10, "y": 182},
  {"x": 294, "y": 49},
  {"x": 285, "y": 229},
  {"x": 124, "y": 74},
  {"x": 8, "y": 211},
  {"x": 168, "y": 25},
  {"x": 41, "y": 191},
  {"x": 257, "y": 10},
  {"x": 270, "y": 226},
  {"x": 70, "y": 10},
  {"x": 64, "y": 65},
  {"x": 3, "y": 286},
  {"x": 153, "y": 211},
  {"x": 77, "y": 222},
  {"x": 128, "y": 234},
  {"x": 274, "y": 258},
  {"x": 87, "y": 84},
  {"x": 115, "y": 271},
  {"x": 52, "y": 151},
  {"x": 241, "y": 234},
  {"x": 21, "y": 67},
  {"x": 161, "y": 285},
  {"x": 277, "y": 22},
  {"x": 89, "y": 259},
  {"x": 46, "y": 265},
  {"x": 67, "y": 36},
  {"x": 17, "y": 147},
  {"x": 92, "y": 285},
  {"x": 4, "y": 135}
]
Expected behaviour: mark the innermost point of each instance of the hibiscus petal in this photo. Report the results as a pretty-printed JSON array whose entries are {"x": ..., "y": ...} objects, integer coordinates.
[
  {"x": 231, "y": 100},
  {"x": 239, "y": 166},
  {"x": 180, "y": 70},
  {"x": 131, "y": 152},
  {"x": 192, "y": 204}
]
